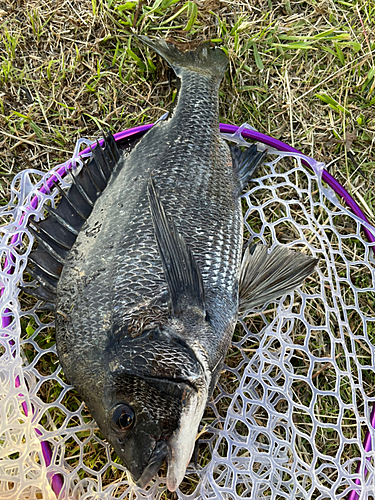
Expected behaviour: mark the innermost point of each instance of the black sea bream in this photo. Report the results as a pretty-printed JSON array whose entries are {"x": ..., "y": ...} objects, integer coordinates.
[{"x": 150, "y": 246}]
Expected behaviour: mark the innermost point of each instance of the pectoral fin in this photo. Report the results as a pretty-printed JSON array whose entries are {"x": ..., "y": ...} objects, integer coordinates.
[
  {"x": 265, "y": 276},
  {"x": 181, "y": 271}
]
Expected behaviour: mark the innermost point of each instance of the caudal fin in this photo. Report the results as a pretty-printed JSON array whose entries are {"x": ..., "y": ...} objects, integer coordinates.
[
  {"x": 204, "y": 59},
  {"x": 266, "y": 276}
]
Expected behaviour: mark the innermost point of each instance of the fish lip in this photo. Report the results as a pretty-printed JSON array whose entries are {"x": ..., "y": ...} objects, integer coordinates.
[{"x": 161, "y": 453}]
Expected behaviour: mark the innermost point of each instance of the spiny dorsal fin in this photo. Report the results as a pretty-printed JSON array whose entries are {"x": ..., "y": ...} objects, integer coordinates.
[
  {"x": 57, "y": 233},
  {"x": 265, "y": 276},
  {"x": 181, "y": 271},
  {"x": 41, "y": 293}
]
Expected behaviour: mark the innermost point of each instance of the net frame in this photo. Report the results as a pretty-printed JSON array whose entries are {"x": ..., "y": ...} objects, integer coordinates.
[{"x": 234, "y": 132}]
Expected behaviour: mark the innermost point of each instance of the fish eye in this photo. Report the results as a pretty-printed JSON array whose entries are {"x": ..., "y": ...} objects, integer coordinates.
[{"x": 123, "y": 417}]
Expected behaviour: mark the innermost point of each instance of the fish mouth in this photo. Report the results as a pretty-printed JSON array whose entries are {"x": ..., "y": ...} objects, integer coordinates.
[
  {"x": 161, "y": 453},
  {"x": 164, "y": 450},
  {"x": 178, "y": 449},
  {"x": 175, "y": 450}
]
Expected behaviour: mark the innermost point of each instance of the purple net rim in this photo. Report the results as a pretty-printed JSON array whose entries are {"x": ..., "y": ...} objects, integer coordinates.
[
  {"x": 57, "y": 480},
  {"x": 249, "y": 134}
]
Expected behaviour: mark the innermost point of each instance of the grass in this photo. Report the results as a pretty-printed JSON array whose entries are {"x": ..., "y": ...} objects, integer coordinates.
[{"x": 302, "y": 72}]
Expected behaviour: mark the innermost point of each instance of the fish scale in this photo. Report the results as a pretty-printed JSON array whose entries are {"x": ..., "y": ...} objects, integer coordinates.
[{"x": 191, "y": 167}]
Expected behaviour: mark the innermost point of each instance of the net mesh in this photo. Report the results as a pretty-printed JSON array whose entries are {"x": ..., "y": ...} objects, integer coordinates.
[{"x": 291, "y": 410}]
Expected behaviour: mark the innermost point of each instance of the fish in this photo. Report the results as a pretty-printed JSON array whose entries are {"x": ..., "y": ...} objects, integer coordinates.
[{"x": 143, "y": 263}]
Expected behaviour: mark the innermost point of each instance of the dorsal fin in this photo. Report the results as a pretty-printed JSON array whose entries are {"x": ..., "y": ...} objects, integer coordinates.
[{"x": 57, "y": 233}]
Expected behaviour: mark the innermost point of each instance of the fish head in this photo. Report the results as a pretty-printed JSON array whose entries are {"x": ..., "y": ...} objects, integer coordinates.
[
  {"x": 157, "y": 425},
  {"x": 152, "y": 403}
]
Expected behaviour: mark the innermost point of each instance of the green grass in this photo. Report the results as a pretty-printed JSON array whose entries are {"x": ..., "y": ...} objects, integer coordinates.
[{"x": 302, "y": 72}]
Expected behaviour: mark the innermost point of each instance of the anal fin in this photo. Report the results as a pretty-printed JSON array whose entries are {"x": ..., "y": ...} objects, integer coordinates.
[{"x": 265, "y": 276}]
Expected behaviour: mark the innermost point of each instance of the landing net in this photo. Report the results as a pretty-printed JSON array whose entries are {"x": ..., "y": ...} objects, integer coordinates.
[{"x": 291, "y": 415}]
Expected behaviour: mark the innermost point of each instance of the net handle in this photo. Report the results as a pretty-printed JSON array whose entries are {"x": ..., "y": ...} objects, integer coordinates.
[{"x": 57, "y": 481}]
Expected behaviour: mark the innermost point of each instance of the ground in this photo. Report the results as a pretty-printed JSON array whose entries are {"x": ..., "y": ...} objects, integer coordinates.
[{"x": 302, "y": 72}]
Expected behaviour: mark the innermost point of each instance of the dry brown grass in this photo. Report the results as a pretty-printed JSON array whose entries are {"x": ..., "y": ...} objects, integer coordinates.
[{"x": 69, "y": 68}]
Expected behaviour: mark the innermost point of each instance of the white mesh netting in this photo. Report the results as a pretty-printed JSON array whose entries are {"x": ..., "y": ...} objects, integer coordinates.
[{"x": 292, "y": 408}]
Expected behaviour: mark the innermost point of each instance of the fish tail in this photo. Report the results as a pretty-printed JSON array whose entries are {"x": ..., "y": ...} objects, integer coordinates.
[{"x": 203, "y": 60}]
